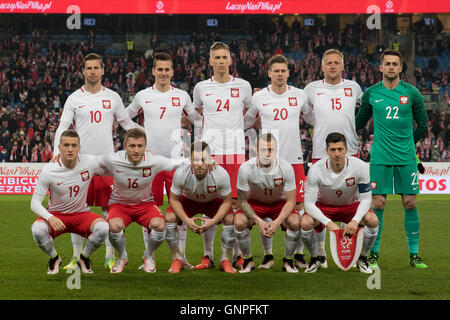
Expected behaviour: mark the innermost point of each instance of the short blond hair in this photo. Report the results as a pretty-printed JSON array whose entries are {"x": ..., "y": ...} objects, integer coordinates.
[
  {"x": 217, "y": 46},
  {"x": 135, "y": 133},
  {"x": 332, "y": 51}
]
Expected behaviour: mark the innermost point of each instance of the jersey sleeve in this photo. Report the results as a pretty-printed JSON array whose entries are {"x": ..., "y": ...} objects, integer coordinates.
[
  {"x": 359, "y": 93},
  {"x": 289, "y": 182},
  {"x": 189, "y": 109},
  {"x": 312, "y": 183},
  {"x": 365, "y": 111},
  {"x": 177, "y": 182},
  {"x": 134, "y": 108},
  {"x": 42, "y": 186},
  {"x": 225, "y": 184},
  {"x": 119, "y": 111},
  {"x": 248, "y": 95},
  {"x": 252, "y": 113},
  {"x": 242, "y": 180},
  {"x": 197, "y": 97},
  {"x": 419, "y": 114},
  {"x": 307, "y": 110}
]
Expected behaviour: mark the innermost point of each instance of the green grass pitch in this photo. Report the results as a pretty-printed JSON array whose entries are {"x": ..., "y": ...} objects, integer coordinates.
[{"x": 23, "y": 265}]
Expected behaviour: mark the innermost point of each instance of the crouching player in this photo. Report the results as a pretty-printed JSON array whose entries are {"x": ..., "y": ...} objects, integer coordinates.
[
  {"x": 266, "y": 189},
  {"x": 338, "y": 189},
  {"x": 68, "y": 181},
  {"x": 198, "y": 187}
]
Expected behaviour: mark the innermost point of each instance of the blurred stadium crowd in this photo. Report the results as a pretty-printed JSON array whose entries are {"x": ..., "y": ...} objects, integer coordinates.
[{"x": 45, "y": 70}]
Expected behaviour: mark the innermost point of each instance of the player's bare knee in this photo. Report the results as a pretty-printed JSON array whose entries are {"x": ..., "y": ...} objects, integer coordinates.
[
  {"x": 307, "y": 223},
  {"x": 294, "y": 222},
  {"x": 228, "y": 220},
  {"x": 157, "y": 224},
  {"x": 170, "y": 217},
  {"x": 240, "y": 222},
  {"x": 409, "y": 202},
  {"x": 116, "y": 225},
  {"x": 378, "y": 201}
]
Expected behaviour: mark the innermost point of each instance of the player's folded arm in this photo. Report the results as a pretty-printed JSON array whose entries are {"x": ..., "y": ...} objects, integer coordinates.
[
  {"x": 365, "y": 201},
  {"x": 312, "y": 209}
]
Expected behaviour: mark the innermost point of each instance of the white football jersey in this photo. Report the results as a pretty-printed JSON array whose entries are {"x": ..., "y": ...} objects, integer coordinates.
[
  {"x": 280, "y": 115},
  {"x": 334, "y": 111},
  {"x": 216, "y": 184},
  {"x": 162, "y": 118},
  {"x": 132, "y": 184},
  {"x": 266, "y": 186},
  {"x": 93, "y": 116},
  {"x": 337, "y": 189},
  {"x": 223, "y": 113},
  {"x": 68, "y": 187}
]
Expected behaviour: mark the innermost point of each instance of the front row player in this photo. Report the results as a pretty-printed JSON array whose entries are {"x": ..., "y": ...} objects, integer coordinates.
[
  {"x": 266, "y": 189},
  {"x": 338, "y": 189},
  {"x": 199, "y": 188},
  {"x": 68, "y": 181},
  {"x": 131, "y": 200}
]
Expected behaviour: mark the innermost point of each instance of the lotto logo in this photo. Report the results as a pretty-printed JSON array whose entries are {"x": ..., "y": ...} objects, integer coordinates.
[
  {"x": 235, "y": 93},
  {"x": 176, "y": 102},
  {"x": 146, "y": 172},
  {"x": 85, "y": 175},
  {"x": 293, "y": 102},
  {"x": 106, "y": 104},
  {"x": 348, "y": 92},
  {"x": 404, "y": 100}
]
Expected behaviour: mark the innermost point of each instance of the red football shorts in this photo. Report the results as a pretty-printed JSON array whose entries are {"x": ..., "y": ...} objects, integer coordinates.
[
  {"x": 337, "y": 213},
  {"x": 267, "y": 210},
  {"x": 99, "y": 191},
  {"x": 162, "y": 180},
  {"x": 231, "y": 164},
  {"x": 300, "y": 180},
  {"x": 140, "y": 213},
  {"x": 191, "y": 207},
  {"x": 77, "y": 222}
]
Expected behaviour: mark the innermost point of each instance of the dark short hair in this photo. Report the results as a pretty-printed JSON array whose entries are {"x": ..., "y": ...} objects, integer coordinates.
[
  {"x": 162, "y": 56},
  {"x": 93, "y": 56},
  {"x": 278, "y": 58},
  {"x": 268, "y": 137},
  {"x": 71, "y": 133},
  {"x": 199, "y": 145},
  {"x": 390, "y": 52},
  {"x": 336, "y": 137},
  {"x": 135, "y": 133}
]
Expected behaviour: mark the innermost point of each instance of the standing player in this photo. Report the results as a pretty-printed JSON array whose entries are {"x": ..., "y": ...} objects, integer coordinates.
[
  {"x": 394, "y": 106},
  {"x": 338, "y": 189},
  {"x": 163, "y": 107},
  {"x": 68, "y": 181},
  {"x": 131, "y": 200},
  {"x": 333, "y": 101},
  {"x": 266, "y": 186},
  {"x": 92, "y": 110},
  {"x": 280, "y": 106},
  {"x": 198, "y": 189},
  {"x": 223, "y": 99}
]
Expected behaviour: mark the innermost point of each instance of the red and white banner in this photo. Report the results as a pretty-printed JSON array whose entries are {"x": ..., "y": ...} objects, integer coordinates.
[
  {"x": 436, "y": 178},
  {"x": 346, "y": 250},
  {"x": 223, "y": 6},
  {"x": 19, "y": 178}
]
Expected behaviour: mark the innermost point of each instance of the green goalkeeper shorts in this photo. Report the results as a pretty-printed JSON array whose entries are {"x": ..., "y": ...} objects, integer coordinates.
[{"x": 392, "y": 179}]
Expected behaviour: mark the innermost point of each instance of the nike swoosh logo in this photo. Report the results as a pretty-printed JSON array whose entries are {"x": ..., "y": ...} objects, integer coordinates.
[
  {"x": 59, "y": 183},
  {"x": 209, "y": 94},
  {"x": 265, "y": 104},
  {"x": 376, "y": 101},
  {"x": 119, "y": 171},
  {"x": 148, "y": 101},
  {"x": 320, "y": 93},
  {"x": 79, "y": 107}
]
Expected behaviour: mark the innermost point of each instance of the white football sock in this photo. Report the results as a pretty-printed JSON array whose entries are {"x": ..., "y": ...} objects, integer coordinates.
[
  {"x": 43, "y": 239},
  {"x": 96, "y": 238},
  {"x": 320, "y": 240},
  {"x": 208, "y": 241},
  {"x": 156, "y": 239},
  {"x": 109, "y": 247},
  {"x": 243, "y": 238},
  {"x": 370, "y": 235},
  {"x": 119, "y": 241},
  {"x": 182, "y": 235},
  {"x": 228, "y": 240},
  {"x": 267, "y": 243},
  {"x": 290, "y": 239},
  {"x": 172, "y": 240},
  {"x": 146, "y": 232},
  {"x": 309, "y": 241}
]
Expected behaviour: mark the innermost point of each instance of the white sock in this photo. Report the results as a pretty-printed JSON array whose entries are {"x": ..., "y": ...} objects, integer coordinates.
[
  {"x": 370, "y": 235},
  {"x": 77, "y": 244},
  {"x": 309, "y": 241},
  {"x": 156, "y": 239},
  {"x": 243, "y": 238},
  {"x": 290, "y": 239},
  {"x": 208, "y": 241},
  {"x": 228, "y": 240},
  {"x": 119, "y": 242},
  {"x": 182, "y": 235},
  {"x": 109, "y": 247},
  {"x": 320, "y": 240},
  {"x": 146, "y": 232},
  {"x": 299, "y": 248},
  {"x": 266, "y": 242},
  {"x": 43, "y": 239},
  {"x": 96, "y": 238},
  {"x": 172, "y": 239}
]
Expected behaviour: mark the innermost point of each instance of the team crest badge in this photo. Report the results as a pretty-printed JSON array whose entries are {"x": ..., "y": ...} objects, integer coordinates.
[
  {"x": 278, "y": 182},
  {"x": 146, "y": 172},
  {"x": 106, "y": 104},
  {"x": 350, "y": 181},
  {"x": 212, "y": 189},
  {"x": 345, "y": 250},
  {"x": 404, "y": 100},
  {"x": 373, "y": 185},
  {"x": 176, "y": 102},
  {"x": 293, "y": 102},
  {"x": 235, "y": 93},
  {"x": 85, "y": 175},
  {"x": 348, "y": 92}
]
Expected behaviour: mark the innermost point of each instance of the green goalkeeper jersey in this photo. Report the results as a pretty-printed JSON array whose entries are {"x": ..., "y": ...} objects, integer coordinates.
[{"x": 393, "y": 111}]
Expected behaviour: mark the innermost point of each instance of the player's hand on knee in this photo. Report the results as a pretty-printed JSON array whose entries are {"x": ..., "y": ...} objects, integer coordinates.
[
  {"x": 56, "y": 224},
  {"x": 351, "y": 227},
  {"x": 192, "y": 225}
]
